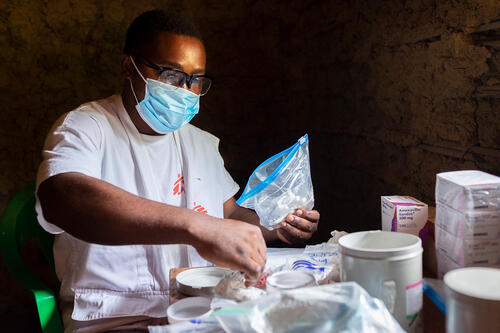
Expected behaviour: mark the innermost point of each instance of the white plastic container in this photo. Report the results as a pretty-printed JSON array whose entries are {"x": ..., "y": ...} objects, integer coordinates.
[
  {"x": 189, "y": 308},
  {"x": 473, "y": 300},
  {"x": 389, "y": 266}
]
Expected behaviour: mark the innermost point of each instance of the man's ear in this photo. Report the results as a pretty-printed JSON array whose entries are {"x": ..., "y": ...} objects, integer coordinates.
[{"x": 127, "y": 66}]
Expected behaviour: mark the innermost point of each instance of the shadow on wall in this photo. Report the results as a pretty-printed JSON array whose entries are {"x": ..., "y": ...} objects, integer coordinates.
[{"x": 54, "y": 56}]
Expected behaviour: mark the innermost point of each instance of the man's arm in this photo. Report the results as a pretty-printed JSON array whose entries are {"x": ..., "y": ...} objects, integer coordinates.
[
  {"x": 296, "y": 227},
  {"x": 98, "y": 212}
]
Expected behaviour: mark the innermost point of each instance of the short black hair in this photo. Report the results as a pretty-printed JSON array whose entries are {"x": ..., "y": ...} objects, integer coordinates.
[{"x": 146, "y": 27}]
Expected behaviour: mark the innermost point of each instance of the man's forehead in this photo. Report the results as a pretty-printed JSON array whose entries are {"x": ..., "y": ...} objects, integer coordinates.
[{"x": 174, "y": 50}]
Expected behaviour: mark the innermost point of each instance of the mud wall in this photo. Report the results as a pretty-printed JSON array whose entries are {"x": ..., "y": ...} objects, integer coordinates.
[{"x": 390, "y": 92}]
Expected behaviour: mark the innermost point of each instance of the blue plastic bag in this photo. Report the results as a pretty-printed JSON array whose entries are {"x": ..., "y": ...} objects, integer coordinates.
[{"x": 281, "y": 184}]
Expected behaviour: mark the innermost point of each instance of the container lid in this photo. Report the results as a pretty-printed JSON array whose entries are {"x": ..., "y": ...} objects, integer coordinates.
[
  {"x": 290, "y": 280},
  {"x": 378, "y": 244},
  {"x": 189, "y": 308},
  {"x": 479, "y": 282},
  {"x": 200, "y": 281}
]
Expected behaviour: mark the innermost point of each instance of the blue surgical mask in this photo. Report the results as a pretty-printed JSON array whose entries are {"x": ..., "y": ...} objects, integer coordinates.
[{"x": 165, "y": 108}]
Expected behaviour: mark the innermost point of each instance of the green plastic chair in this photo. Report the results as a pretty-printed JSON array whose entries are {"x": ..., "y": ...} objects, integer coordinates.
[{"x": 19, "y": 223}]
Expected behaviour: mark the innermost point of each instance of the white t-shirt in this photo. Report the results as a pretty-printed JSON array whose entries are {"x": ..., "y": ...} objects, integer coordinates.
[{"x": 99, "y": 139}]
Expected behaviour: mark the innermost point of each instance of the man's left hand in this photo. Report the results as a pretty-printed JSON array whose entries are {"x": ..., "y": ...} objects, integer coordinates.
[{"x": 298, "y": 227}]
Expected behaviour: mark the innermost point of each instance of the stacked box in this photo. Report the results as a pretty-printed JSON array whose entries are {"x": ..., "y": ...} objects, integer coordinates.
[{"x": 467, "y": 224}]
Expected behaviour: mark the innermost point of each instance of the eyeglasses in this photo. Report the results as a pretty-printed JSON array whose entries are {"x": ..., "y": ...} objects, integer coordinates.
[{"x": 199, "y": 84}]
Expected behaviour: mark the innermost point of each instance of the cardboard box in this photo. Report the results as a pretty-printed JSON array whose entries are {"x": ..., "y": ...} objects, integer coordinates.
[
  {"x": 477, "y": 224},
  {"x": 468, "y": 190},
  {"x": 466, "y": 252},
  {"x": 403, "y": 214}
]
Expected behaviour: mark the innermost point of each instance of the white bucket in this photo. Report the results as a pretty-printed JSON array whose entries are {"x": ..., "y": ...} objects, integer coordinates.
[
  {"x": 389, "y": 266},
  {"x": 473, "y": 300}
]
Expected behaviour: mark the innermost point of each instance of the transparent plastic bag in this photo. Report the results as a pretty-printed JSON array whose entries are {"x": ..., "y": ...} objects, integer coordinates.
[{"x": 280, "y": 185}]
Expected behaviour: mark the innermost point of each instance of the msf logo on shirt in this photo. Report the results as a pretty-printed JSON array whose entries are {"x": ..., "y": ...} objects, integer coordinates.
[
  {"x": 199, "y": 209},
  {"x": 179, "y": 185}
]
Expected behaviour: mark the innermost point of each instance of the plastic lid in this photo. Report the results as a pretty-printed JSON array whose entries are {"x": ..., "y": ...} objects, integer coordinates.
[
  {"x": 379, "y": 244},
  {"x": 479, "y": 282},
  {"x": 189, "y": 308},
  {"x": 290, "y": 280},
  {"x": 200, "y": 281}
]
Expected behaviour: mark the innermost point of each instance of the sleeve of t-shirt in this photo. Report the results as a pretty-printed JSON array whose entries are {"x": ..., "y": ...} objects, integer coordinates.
[
  {"x": 229, "y": 186},
  {"x": 74, "y": 144}
]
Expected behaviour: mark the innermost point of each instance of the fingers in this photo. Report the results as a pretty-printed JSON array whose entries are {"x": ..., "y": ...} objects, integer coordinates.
[
  {"x": 310, "y": 215},
  {"x": 308, "y": 225},
  {"x": 298, "y": 227},
  {"x": 251, "y": 253},
  {"x": 284, "y": 236},
  {"x": 294, "y": 234},
  {"x": 236, "y": 245}
]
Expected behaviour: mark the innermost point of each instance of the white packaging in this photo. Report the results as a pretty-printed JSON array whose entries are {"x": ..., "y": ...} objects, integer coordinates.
[
  {"x": 445, "y": 264},
  {"x": 467, "y": 252},
  {"x": 403, "y": 214},
  {"x": 472, "y": 224},
  {"x": 468, "y": 190}
]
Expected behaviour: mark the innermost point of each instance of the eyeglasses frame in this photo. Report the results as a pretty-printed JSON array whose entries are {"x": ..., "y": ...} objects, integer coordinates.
[{"x": 187, "y": 77}]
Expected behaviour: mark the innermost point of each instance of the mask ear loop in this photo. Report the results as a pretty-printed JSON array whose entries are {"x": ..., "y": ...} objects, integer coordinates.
[{"x": 142, "y": 77}]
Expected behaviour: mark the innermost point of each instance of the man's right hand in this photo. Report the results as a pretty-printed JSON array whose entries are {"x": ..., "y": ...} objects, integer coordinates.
[
  {"x": 98, "y": 212},
  {"x": 233, "y": 244}
]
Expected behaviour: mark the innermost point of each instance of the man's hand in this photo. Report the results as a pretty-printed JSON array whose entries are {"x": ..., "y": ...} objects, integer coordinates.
[
  {"x": 298, "y": 227},
  {"x": 233, "y": 244}
]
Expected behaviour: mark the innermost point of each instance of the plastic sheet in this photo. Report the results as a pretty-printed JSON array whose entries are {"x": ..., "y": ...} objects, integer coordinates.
[
  {"x": 280, "y": 185},
  {"x": 340, "y": 307}
]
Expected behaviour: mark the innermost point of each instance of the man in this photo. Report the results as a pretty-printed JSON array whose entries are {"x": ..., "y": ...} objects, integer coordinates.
[{"x": 132, "y": 190}]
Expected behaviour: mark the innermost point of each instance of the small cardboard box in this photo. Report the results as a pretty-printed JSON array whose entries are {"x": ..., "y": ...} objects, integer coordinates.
[{"x": 403, "y": 214}]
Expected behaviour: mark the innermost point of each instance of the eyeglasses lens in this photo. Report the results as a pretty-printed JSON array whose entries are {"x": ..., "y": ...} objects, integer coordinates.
[{"x": 199, "y": 85}]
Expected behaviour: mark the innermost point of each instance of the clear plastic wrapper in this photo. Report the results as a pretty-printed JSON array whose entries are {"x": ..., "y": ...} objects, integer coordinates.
[
  {"x": 472, "y": 224},
  {"x": 444, "y": 263},
  {"x": 468, "y": 190},
  {"x": 467, "y": 252},
  {"x": 321, "y": 260},
  {"x": 340, "y": 307},
  {"x": 280, "y": 185}
]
